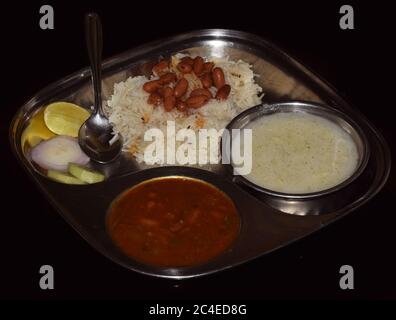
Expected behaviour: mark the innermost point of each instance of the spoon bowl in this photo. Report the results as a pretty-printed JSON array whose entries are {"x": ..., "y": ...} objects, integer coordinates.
[{"x": 98, "y": 141}]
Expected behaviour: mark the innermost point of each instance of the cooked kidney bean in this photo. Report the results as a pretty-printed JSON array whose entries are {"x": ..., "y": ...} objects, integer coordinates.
[
  {"x": 223, "y": 92},
  {"x": 160, "y": 91},
  {"x": 206, "y": 80},
  {"x": 181, "y": 105},
  {"x": 154, "y": 98},
  {"x": 196, "y": 101},
  {"x": 184, "y": 67},
  {"x": 167, "y": 78},
  {"x": 188, "y": 60},
  {"x": 218, "y": 77},
  {"x": 208, "y": 66},
  {"x": 198, "y": 65},
  {"x": 168, "y": 91},
  {"x": 181, "y": 88},
  {"x": 151, "y": 86},
  {"x": 203, "y": 92},
  {"x": 169, "y": 103},
  {"x": 160, "y": 68}
]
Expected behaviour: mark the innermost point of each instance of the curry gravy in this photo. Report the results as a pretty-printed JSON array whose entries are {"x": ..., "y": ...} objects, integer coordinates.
[{"x": 173, "y": 222}]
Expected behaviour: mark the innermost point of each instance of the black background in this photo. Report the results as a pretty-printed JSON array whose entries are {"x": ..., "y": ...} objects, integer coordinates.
[{"x": 357, "y": 62}]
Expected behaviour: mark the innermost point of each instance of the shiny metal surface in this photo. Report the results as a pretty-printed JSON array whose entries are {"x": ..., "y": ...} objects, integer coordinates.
[
  {"x": 265, "y": 225},
  {"x": 96, "y": 133}
]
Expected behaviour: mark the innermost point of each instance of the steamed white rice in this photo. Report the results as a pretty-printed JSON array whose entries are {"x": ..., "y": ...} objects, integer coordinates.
[{"x": 132, "y": 116}]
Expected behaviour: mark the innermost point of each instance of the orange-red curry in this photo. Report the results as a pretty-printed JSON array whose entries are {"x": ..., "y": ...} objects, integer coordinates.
[{"x": 173, "y": 222}]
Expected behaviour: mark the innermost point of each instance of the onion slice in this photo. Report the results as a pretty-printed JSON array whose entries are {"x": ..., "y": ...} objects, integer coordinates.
[{"x": 57, "y": 152}]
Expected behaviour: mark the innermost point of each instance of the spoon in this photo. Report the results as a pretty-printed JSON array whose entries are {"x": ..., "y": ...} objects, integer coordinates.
[{"x": 96, "y": 137}]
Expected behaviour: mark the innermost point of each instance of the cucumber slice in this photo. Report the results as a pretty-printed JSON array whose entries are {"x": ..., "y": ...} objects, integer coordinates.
[
  {"x": 63, "y": 177},
  {"x": 85, "y": 174}
]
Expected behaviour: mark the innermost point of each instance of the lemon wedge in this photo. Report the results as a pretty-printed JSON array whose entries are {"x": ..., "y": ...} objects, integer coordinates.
[
  {"x": 65, "y": 118},
  {"x": 36, "y": 131}
]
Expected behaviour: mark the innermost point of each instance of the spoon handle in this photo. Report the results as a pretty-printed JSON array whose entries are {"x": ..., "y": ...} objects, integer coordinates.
[{"x": 94, "y": 40}]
